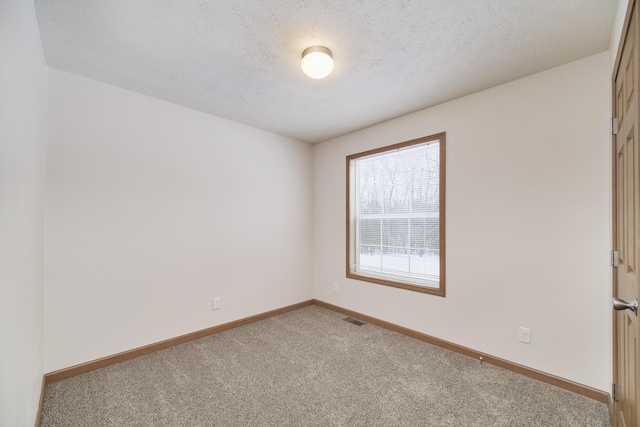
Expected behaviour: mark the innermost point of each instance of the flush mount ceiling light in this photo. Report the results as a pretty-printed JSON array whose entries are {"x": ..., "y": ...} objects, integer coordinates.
[{"x": 317, "y": 62}]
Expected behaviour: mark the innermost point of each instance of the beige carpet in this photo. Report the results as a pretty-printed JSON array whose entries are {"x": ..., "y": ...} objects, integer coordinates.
[{"x": 310, "y": 368}]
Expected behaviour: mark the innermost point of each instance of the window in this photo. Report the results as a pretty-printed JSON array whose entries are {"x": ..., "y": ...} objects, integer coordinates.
[{"x": 395, "y": 215}]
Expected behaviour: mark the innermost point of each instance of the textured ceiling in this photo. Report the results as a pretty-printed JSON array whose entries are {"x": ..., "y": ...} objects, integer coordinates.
[{"x": 240, "y": 59}]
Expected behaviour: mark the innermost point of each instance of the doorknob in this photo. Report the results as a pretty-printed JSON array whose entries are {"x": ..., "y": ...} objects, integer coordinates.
[{"x": 619, "y": 304}]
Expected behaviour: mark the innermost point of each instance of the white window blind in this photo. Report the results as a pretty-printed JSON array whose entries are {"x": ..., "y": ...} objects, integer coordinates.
[{"x": 395, "y": 214}]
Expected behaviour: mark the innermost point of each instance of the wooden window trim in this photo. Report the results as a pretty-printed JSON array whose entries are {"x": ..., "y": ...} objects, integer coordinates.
[{"x": 440, "y": 291}]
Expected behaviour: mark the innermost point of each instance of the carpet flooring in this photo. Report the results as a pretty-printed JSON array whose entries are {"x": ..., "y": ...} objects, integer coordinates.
[{"x": 311, "y": 368}]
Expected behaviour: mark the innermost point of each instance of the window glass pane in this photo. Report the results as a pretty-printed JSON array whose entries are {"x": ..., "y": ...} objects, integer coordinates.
[
  {"x": 397, "y": 199},
  {"x": 369, "y": 231},
  {"x": 432, "y": 235},
  {"x": 395, "y": 232},
  {"x": 425, "y": 248},
  {"x": 370, "y": 201},
  {"x": 395, "y": 260},
  {"x": 370, "y": 258},
  {"x": 418, "y": 234}
]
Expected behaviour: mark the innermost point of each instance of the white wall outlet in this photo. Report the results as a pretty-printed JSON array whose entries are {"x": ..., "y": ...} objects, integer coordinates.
[
  {"x": 524, "y": 335},
  {"x": 216, "y": 303},
  {"x": 336, "y": 287}
]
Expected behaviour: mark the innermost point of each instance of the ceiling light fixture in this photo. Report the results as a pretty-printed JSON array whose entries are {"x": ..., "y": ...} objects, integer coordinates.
[{"x": 317, "y": 62}]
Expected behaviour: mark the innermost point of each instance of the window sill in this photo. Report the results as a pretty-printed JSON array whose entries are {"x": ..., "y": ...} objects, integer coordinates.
[{"x": 423, "y": 289}]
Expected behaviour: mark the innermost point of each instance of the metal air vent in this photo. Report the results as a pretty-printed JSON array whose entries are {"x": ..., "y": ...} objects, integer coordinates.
[{"x": 354, "y": 321}]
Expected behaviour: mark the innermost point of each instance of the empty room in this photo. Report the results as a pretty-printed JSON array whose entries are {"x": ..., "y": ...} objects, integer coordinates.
[{"x": 340, "y": 213}]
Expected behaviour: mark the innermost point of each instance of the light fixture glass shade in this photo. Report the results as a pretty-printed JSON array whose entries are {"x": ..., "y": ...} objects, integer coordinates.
[{"x": 317, "y": 62}]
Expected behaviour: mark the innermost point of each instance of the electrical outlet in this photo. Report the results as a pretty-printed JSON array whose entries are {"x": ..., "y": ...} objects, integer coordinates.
[
  {"x": 216, "y": 303},
  {"x": 336, "y": 287},
  {"x": 524, "y": 335}
]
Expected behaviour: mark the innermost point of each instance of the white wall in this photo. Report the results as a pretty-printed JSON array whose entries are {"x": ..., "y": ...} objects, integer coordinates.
[
  {"x": 528, "y": 222},
  {"x": 22, "y": 154},
  {"x": 154, "y": 209},
  {"x": 616, "y": 31}
]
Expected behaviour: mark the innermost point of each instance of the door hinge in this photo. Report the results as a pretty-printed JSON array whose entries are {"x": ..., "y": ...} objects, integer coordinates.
[
  {"x": 615, "y": 259},
  {"x": 614, "y": 392},
  {"x": 614, "y": 126}
]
